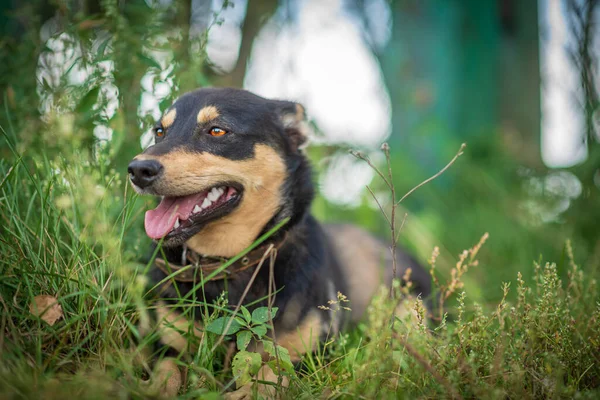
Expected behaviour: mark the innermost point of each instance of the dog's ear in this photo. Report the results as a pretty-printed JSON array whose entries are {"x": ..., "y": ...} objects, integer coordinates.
[{"x": 295, "y": 124}]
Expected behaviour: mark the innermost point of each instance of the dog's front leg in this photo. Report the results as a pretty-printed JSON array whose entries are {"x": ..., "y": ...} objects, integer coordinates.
[{"x": 174, "y": 331}]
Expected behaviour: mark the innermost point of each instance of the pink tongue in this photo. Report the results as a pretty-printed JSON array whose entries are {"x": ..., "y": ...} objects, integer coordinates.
[{"x": 161, "y": 220}]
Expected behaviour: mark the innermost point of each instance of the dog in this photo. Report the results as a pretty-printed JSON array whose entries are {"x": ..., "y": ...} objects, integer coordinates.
[{"x": 229, "y": 166}]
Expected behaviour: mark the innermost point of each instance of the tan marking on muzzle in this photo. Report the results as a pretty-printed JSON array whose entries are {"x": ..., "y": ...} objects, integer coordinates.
[
  {"x": 144, "y": 157},
  {"x": 207, "y": 114},
  {"x": 168, "y": 119},
  {"x": 261, "y": 176}
]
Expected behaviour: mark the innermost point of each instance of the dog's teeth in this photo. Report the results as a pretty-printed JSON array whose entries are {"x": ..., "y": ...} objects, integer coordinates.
[
  {"x": 196, "y": 209},
  {"x": 220, "y": 191},
  {"x": 206, "y": 203},
  {"x": 176, "y": 224},
  {"x": 213, "y": 195}
]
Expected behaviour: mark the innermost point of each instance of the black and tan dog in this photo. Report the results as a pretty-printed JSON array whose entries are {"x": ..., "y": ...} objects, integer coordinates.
[{"x": 229, "y": 166}]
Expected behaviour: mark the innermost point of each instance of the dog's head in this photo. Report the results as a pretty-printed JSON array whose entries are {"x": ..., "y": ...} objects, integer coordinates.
[{"x": 228, "y": 165}]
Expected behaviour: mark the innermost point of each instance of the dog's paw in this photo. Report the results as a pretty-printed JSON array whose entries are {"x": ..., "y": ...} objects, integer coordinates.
[
  {"x": 165, "y": 381},
  {"x": 245, "y": 392},
  {"x": 252, "y": 391}
]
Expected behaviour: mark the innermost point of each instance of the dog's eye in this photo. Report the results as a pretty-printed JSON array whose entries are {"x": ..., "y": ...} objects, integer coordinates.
[
  {"x": 159, "y": 132},
  {"x": 217, "y": 132}
]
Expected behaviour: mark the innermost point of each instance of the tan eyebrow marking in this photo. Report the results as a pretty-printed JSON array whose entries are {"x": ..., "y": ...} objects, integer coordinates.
[
  {"x": 207, "y": 114},
  {"x": 300, "y": 112},
  {"x": 168, "y": 119}
]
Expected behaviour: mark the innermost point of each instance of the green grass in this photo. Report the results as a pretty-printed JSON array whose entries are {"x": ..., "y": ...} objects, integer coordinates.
[{"x": 71, "y": 229}]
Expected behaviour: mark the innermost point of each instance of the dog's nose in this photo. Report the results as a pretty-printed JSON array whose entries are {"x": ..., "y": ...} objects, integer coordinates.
[{"x": 143, "y": 172}]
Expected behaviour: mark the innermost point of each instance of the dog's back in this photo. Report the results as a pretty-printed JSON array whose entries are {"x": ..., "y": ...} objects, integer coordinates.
[{"x": 366, "y": 264}]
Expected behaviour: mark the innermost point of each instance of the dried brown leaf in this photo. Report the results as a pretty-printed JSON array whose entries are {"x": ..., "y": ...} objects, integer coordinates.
[{"x": 47, "y": 308}]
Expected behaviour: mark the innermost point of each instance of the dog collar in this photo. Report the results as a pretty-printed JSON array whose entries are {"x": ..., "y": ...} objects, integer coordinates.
[{"x": 205, "y": 265}]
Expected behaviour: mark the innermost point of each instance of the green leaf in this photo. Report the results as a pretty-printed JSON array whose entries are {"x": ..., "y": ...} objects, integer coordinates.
[
  {"x": 218, "y": 326},
  {"x": 151, "y": 62},
  {"x": 74, "y": 64},
  {"x": 88, "y": 101},
  {"x": 244, "y": 366},
  {"x": 282, "y": 353},
  {"x": 102, "y": 48},
  {"x": 243, "y": 339},
  {"x": 261, "y": 314},
  {"x": 259, "y": 330},
  {"x": 246, "y": 314},
  {"x": 284, "y": 359},
  {"x": 165, "y": 103},
  {"x": 210, "y": 396},
  {"x": 400, "y": 358},
  {"x": 268, "y": 348}
]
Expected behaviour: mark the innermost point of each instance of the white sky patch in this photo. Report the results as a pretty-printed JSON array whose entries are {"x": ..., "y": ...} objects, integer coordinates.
[
  {"x": 57, "y": 66},
  {"x": 102, "y": 132},
  {"x": 62, "y": 66},
  {"x": 345, "y": 179},
  {"x": 109, "y": 92},
  {"x": 563, "y": 127},
  {"x": 222, "y": 48},
  {"x": 375, "y": 24},
  {"x": 379, "y": 17},
  {"x": 224, "y": 40},
  {"x": 321, "y": 60},
  {"x": 156, "y": 86}
]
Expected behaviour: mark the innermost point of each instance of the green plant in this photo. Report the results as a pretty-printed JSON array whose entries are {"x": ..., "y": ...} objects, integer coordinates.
[
  {"x": 71, "y": 236},
  {"x": 248, "y": 327}
]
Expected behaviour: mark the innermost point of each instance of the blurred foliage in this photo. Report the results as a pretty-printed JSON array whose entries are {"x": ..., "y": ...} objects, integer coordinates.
[
  {"x": 467, "y": 72},
  {"x": 491, "y": 189},
  {"x": 584, "y": 212},
  {"x": 70, "y": 225}
]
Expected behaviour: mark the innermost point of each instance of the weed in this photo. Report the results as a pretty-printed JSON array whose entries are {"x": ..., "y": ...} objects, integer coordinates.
[{"x": 70, "y": 231}]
